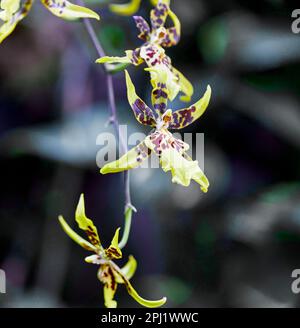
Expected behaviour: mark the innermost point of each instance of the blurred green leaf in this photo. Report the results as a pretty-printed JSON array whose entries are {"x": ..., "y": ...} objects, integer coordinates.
[
  {"x": 287, "y": 236},
  {"x": 177, "y": 290},
  {"x": 281, "y": 192},
  {"x": 113, "y": 39},
  {"x": 213, "y": 40}
]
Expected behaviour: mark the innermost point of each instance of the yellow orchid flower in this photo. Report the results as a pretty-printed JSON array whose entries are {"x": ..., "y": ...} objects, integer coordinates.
[
  {"x": 152, "y": 52},
  {"x": 171, "y": 151},
  {"x": 13, "y": 11},
  {"x": 109, "y": 273},
  {"x": 129, "y": 8}
]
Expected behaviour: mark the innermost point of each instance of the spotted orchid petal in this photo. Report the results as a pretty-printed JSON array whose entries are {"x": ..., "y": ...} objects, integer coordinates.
[
  {"x": 107, "y": 276},
  {"x": 162, "y": 73},
  {"x": 67, "y": 10},
  {"x": 128, "y": 270},
  {"x": 184, "y": 84},
  {"x": 171, "y": 152},
  {"x": 126, "y": 9},
  {"x": 12, "y": 14},
  {"x": 75, "y": 237},
  {"x": 113, "y": 251},
  {"x": 132, "y": 159},
  {"x": 184, "y": 117},
  {"x": 159, "y": 14},
  {"x": 143, "y": 27},
  {"x": 133, "y": 293},
  {"x": 171, "y": 36},
  {"x": 159, "y": 98},
  {"x": 142, "y": 112},
  {"x": 132, "y": 57},
  {"x": 86, "y": 224}
]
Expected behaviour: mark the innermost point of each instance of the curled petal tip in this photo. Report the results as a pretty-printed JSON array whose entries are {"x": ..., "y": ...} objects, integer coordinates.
[{"x": 104, "y": 170}]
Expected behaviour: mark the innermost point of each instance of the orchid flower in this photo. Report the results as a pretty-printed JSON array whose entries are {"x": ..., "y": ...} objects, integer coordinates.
[
  {"x": 109, "y": 273},
  {"x": 153, "y": 54},
  {"x": 129, "y": 8},
  {"x": 171, "y": 151},
  {"x": 13, "y": 11}
]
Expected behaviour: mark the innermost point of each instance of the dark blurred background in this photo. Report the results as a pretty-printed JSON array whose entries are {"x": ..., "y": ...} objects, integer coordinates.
[{"x": 233, "y": 247}]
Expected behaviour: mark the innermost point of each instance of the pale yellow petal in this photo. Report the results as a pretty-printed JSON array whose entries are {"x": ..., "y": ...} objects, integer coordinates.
[
  {"x": 74, "y": 236},
  {"x": 86, "y": 224},
  {"x": 67, "y": 10},
  {"x": 126, "y": 9}
]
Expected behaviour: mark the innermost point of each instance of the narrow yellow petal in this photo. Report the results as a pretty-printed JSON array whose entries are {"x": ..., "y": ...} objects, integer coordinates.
[
  {"x": 184, "y": 117},
  {"x": 107, "y": 277},
  {"x": 126, "y": 9},
  {"x": 74, "y": 236},
  {"x": 86, "y": 224},
  {"x": 128, "y": 269},
  {"x": 113, "y": 251},
  {"x": 185, "y": 86},
  {"x": 133, "y": 293},
  {"x": 132, "y": 159},
  {"x": 6, "y": 29},
  {"x": 113, "y": 60},
  {"x": 109, "y": 294},
  {"x": 132, "y": 57},
  {"x": 67, "y": 10},
  {"x": 141, "y": 111}
]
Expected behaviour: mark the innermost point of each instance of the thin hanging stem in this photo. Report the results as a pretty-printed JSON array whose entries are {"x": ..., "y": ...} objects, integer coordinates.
[{"x": 113, "y": 120}]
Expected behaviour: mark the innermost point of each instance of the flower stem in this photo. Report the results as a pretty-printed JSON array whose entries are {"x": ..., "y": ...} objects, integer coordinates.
[
  {"x": 128, "y": 217},
  {"x": 113, "y": 120}
]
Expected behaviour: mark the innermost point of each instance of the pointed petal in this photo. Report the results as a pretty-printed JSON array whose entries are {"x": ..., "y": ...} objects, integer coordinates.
[
  {"x": 126, "y": 9},
  {"x": 161, "y": 73},
  {"x": 86, "y": 224},
  {"x": 67, "y": 10},
  {"x": 171, "y": 152},
  {"x": 73, "y": 235},
  {"x": 6, "y": 29},
  {"x": 128, "y": 269},
  {"x": 113, "y": 251},
  {"x": 159, "y": 98},
  {"x": 172, "y": 35},
  {"x": 184, "y": 117},
  {"x": 132, "y": 159},
  {"x": 142, "y": 112},
  {"x": 132, "y": 57},
  {"x": 143, "y": 27},
  {"x": 107, "y": 277},
  {"x": 133, "y": 293},
  {"x": 185, "y": 86},
  {"x": 13, "y": 18},
  {"x": 109, "y": 294},
  {"x": 159, "y": 15}
]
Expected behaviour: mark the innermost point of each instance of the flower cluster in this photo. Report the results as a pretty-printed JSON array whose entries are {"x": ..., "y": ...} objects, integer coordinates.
[
  {"x": 171, "y": 151},
  {"x": 109, "y": 273},
  {"x": 152, "y": 51},
  {"x": 167, "y": 82}
]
